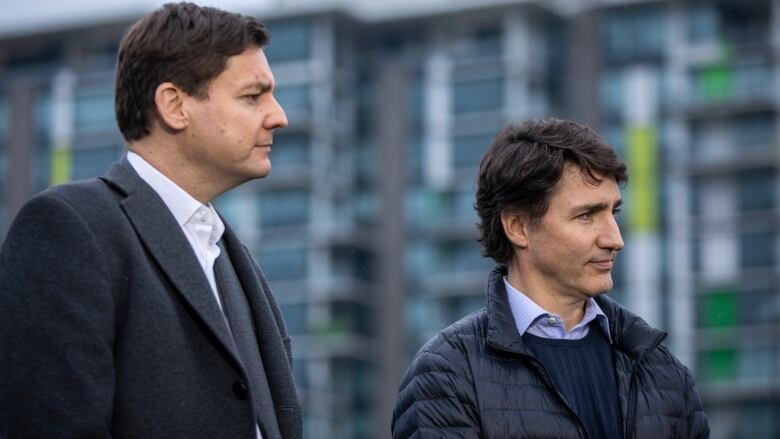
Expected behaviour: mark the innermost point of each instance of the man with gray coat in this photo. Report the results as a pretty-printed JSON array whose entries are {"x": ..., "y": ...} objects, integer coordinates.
[{"x": 129, "y": 309}]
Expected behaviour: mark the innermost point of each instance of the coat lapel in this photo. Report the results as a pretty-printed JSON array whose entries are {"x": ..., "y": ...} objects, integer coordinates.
[
  {"x": 162, "y": 236},
  {"x": 269, "y": 335}
]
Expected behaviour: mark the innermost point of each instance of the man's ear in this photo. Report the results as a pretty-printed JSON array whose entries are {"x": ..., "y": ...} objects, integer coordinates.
[
  {"x": 516, "y": 228},
  {"x": 169, "y": 100}
]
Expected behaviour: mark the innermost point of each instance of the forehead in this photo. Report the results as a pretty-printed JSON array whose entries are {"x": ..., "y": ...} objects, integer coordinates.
[
  {"x": 576, "y": 187},
  {"x": 249, "y": 66}
]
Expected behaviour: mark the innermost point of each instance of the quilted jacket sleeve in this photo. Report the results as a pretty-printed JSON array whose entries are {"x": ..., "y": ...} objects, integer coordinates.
[
  {"x": 436, "y": 397},
  {"x": 698, "y": 427}
]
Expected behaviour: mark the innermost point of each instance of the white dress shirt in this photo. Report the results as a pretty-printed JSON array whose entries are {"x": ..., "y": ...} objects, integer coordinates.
[
  {"x": 200, "y": 224},
  {"x": 531, "y": 318}
]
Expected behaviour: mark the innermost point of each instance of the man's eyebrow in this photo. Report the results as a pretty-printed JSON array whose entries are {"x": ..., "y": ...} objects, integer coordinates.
[
  {"x": 596, "y": 207},
  {"x": 262, "y": 86}
]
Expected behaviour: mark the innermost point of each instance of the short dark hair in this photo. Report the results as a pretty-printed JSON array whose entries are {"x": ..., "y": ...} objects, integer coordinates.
[
  {"x": 522, "y": 167},
  {"x": 183, "y": 43}
]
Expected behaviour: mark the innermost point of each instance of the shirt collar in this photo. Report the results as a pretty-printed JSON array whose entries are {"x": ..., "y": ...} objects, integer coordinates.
[
  {"x": 526, "y": 312},
  {"x": 181, "y": 204}
]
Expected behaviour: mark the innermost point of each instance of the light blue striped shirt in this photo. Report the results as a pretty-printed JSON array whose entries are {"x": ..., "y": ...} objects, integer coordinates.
[{"x": 531, "y": 318}]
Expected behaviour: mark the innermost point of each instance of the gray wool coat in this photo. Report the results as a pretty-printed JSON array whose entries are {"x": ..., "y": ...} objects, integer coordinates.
[{"x": 108, "y": 326}]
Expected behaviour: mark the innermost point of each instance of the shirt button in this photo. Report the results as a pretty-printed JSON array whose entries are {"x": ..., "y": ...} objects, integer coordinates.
[{"x": 551, "y": 321}]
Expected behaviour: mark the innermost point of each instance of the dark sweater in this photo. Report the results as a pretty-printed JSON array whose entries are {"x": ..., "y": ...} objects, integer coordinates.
[{"x": 583, "y": 372}]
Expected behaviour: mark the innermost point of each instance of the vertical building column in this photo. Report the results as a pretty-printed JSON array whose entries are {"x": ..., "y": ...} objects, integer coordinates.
[
  {"x": 682, "y": 319},
  {"x": 393, "y": 134},
  {"x": 63, "y": 120},
  {"x": 520, "y": 35},
  {"x": 437, "y": 159},
  {"x": 21, "y": 141},
  {"x": 642, "y": 155},
  {"x": 583, "y": 58}
]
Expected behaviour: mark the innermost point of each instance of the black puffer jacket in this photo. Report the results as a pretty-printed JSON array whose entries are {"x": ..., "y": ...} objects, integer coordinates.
[{"x": 476, "y": 379}]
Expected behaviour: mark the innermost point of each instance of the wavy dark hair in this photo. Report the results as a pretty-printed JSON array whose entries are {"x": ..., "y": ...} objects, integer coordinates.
[
  {"x": 522, "y": 167},
  {"x": 182, "y": 43}
]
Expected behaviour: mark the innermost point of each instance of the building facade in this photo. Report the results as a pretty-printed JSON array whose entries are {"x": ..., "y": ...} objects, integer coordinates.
[{"x": 365, "y": 227}]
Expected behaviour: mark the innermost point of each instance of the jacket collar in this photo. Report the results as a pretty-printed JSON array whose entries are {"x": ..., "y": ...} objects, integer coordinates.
[{"x": 629, "y": 332}]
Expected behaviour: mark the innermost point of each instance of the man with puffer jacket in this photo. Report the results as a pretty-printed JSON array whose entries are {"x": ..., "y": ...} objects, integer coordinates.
[{"x": 550, "y": 356}]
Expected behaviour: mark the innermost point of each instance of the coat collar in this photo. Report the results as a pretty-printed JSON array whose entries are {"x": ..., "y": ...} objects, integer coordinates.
[{"x": 629, "y": 332}]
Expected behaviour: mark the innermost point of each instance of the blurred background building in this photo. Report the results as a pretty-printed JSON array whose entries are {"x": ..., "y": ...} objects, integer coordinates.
[{"x": 365, "y": 228}]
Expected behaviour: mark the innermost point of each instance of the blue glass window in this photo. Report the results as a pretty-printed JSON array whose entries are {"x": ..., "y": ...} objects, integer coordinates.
[
  {"x": 95, "y": 109},
  {"x": 754, "y": 130},
  {"x": 467, "y": 151},
  {"x": 290, "y": 149},
  {"x": 461, "y": 256},
  {"x": 756, "y": 190},
  {"x": 634, "y": 33},
  {"x": 290, "y": 41},
  {"x": 295, "y": 100},
  {"x": 94, "y": 162},
  {"x": 478, "y": 95},
  {"x": 283, "y": 264},
  {"x": 757, "y": 249},
  {"x": 294, "y": 318},
  {"x": 284, "y": 208}
]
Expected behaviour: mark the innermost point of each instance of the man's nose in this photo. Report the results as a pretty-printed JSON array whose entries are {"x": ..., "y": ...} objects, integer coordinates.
[
  {"x": 609, "y": 236},
  {"x": 277, "y": 117}
]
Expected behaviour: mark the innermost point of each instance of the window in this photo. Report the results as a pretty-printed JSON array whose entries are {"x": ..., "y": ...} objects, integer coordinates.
[
  {"x": 42, "y": 116},
  {"x": 703, "y": 21},
  {"x": 756, "y": 190},
  {"x": 295, "y": 100},
  {"x": 461, "y": 256},
  {"x": 757, "y": 250},
  {"x": 352, "y": 262},
  {"x": 753, "y": 130},
  {"x": 718, "y": 365},
  {"x": 631, "y": 34},
  {"x": 759, "y": 307},
  {"x": 290, "y": 41},
  {"x": 432, "y": 209},
  {"x": 467, "y": 151},
  {"x": 488, "y": 42},
  {"x": 353, "y": 317},
  {"x": 757, "y": 365},
  {"x": 718, "y": 309},
  {"x": 294, "y": 318},
  {"x": 721, "y": 82},
  {"x": 287, "y": 207},
  {"x": 283, "y": 264},
  {"x": 752, "y": 365},
  {"x": 458, "y": 307},
  {"x": 729, "y": 22},
  {"x": 478, "y": 95},
  {"x": 758, "y": 419},
  {"x": 93, "y": 162},
  {"x": 290, "y": 149},
  {"x": 95, "y": 109}
]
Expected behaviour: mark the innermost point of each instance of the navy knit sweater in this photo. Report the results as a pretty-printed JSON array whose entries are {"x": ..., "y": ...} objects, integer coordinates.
[{"x": 584, "y": 373}]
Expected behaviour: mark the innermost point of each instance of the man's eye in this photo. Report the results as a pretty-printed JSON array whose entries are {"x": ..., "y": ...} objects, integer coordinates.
[
  {"x": 253, "y": 96},
  {"x": 585, "y": 216},
  {"x": 616, "y": 212}
]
